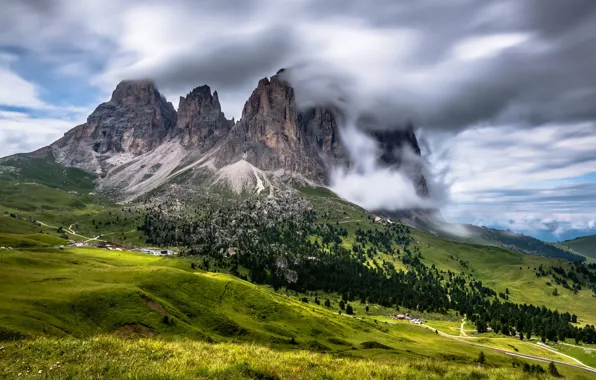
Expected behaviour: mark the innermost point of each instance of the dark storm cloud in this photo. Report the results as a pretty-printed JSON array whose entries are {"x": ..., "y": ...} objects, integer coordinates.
[
  {"x": 550, "y": 77},
  {"x": 228, "y": 66}
]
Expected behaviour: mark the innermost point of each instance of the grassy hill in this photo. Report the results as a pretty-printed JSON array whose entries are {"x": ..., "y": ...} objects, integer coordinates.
[
  {"x": 501, "y": 269},
  {"x": 175, "y": 313},
  {"x": 585, "y": 245}
]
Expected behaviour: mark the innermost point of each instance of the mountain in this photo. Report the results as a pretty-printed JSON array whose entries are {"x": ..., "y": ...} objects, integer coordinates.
[
  {"x": 136, "y": 120},
  {"x": 201, "y": 124},
  {"x": 468, "y": 233},
  {"x": 137, "y": 143}
]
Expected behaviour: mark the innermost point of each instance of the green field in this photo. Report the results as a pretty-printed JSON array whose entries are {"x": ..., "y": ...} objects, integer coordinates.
[
  {"x": 585, "y": 245},
  {"x": 86, "y": 293},
  {"x": 112, "y": 357}
]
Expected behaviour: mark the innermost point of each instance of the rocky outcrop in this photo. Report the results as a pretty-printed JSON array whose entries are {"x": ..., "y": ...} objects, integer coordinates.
[
  {"x": 272, "y": 135},
  {"x": 201, "y": 124},
  {"x": 136, "y": 120}
]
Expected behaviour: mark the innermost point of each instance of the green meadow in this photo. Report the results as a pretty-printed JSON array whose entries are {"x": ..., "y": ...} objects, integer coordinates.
[{"x": 81, "y": 307}]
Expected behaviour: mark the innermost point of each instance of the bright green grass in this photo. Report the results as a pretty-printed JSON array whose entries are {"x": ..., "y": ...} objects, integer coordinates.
[
  {"x": 584, "y": 245},
  {"x": 446, "y": 326},
  {"x": 585, "y": 355},
  {"x": 30, "y": 240},
  {"x": 85, "y": 292},
  {"x": 116, "y": 358},
  {"x": 500, "y": 269}
]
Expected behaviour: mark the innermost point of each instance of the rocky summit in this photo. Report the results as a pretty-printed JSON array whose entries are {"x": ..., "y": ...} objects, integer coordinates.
[
  {"x": 136, "y": 120},
  {"x": 136, "y": 142}
]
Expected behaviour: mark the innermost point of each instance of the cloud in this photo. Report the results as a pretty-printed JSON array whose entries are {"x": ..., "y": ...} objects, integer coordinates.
[
  {"x": 19, "y": 132},
  {"x": 529, "y": 180},
  {"x": 442, "y": 64},
  {"x": 16, "y": 91},
  {"x": 508, "y": 86}
]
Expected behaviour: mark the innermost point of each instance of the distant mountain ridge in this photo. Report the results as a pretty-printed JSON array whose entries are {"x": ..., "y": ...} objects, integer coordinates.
[{"x": 137, "y": 142}]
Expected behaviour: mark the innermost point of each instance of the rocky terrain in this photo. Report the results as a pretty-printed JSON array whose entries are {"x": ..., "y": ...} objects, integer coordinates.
[{"x": 136, "y": 142}]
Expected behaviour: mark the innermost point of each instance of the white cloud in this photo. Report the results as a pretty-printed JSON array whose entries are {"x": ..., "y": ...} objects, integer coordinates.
[
  {"x": 482, "y": 47},
  {"x": 16, "y": 91},
  {"x": 525, "y": 179},
  {"x": 20, "y": 132}
]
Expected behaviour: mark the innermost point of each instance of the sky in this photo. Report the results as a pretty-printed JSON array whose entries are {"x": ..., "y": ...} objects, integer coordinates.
[{"x": 502, "y": 93}]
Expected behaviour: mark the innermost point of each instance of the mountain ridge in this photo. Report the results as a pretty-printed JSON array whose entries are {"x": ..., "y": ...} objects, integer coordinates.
[{"x": 137, "y": 142}]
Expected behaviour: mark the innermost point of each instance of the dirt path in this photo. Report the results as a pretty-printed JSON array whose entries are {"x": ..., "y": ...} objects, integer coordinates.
[
  {"x": 557, "y": 352},
  {"x": 510, "y": 353},
  {"x": 68, "y": 231},
  {"x": 462, "y": 332}
]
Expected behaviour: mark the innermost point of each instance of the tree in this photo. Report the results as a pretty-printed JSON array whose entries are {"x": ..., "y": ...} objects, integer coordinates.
[
  {"x": 342, "y": 304},
  {"x": 506, "y": 290},
  {"x": 327, "y": 303},
  {"x": 481, "y": 358},
  {"x": 552, "y": 369},
  {"x": 521, "y": 335},
  {"x": 304, "y": 299},
  {"x": 349, "y": 309},
  {"x": 366, "y": 308},
  {"x": 555, "y": 292}
]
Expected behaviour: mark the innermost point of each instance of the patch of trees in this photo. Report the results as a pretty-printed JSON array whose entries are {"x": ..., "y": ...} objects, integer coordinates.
[{"x": 580, "y": 275}]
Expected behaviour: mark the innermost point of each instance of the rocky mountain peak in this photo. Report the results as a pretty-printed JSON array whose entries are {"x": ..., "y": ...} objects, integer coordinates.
[
  {"x": 201, "y": 123},
  {"x": 136, "y": 120},
  {"x": 273, "y": 135},
  {"x": 136, "y": 92}
]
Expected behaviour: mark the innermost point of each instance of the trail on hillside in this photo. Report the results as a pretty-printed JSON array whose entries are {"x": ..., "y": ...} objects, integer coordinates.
[
  {"x": 557, "y": 352},
  {"x": 69, "y": 231},
  {"x": 461, "y": 328},
  {"x": 459, "y": 338}
]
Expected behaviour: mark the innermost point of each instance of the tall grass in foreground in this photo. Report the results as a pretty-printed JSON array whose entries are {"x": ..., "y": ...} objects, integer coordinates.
[{"x": 108, "y": 357}]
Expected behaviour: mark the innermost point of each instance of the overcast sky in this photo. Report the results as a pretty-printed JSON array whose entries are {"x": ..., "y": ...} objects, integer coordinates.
[{"x": 504, "y": 92}]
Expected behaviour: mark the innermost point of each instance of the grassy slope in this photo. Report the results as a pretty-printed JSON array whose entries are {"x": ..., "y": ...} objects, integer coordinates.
[
  {"x": 85, "y": 292},
  {"x": 500, "y": 269},
  {"x": 584, "y": 245},
  {"x": 110, "y": 357},
  {"x": 44, "y": 191}
]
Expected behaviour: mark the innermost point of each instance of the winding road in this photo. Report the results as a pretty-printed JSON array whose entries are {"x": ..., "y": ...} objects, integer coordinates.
[
  {"x": 510, "y": 353},
  {"x": 70, "y": 231}
]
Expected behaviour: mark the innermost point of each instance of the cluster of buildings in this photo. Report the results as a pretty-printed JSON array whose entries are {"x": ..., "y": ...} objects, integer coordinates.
[
  {"x": 119, "y": 247},
  {"x": 407, "y": 317},
  {"x": 156, "y": 252}
]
